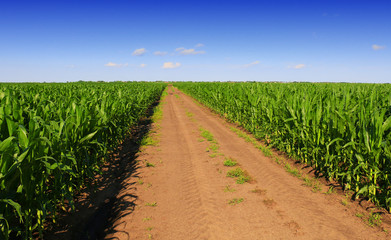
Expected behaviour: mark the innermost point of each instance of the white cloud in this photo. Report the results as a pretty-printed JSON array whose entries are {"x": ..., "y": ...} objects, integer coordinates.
[
  {"x": 158, "y": 53},
  {"x": 139, "y": 52},
  {"x": 111, "y": 64},
  {"x": 298, "y": 66},
  {"x": 378, "y": 47},
  {"x": 251, "y": 64},
  {"x": 190, "y": 51},
  {"x": 168, "y": 65},
  {"x": 199, "y": 45},
  {"x": 142, "y": 65}
]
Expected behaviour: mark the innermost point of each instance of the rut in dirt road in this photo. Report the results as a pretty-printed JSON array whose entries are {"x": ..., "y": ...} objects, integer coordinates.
[{"x": 183, "y": 191}]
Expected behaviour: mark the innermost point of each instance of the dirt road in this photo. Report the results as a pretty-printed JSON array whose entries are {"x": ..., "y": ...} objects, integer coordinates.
[{"x": 181, "y": 190}]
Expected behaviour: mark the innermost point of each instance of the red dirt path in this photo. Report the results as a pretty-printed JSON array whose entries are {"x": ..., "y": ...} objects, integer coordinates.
[{"x": 187, "y": 185}]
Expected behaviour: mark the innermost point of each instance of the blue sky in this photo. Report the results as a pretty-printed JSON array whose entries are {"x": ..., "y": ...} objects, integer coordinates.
[{"x": 319, "y": 40}]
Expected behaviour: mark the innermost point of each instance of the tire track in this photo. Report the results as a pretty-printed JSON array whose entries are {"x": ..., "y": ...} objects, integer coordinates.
[
  {"x": 194, "y": 213},
  {"x": 208, "y": 202}
]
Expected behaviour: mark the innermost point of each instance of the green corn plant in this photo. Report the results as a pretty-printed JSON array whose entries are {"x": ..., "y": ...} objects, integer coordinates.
[{"x": 53, "y": 138}]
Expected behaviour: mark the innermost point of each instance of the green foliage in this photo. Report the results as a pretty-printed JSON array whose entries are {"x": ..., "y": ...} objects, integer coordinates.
[
  {"x": 359, "y": 215},
  {"x": 342, "y": 130},
  {"x": 237, "y": 172},
  {"x": 207, "y": 135},
  {"x": 153, "y": 204},
  {"x": 149, "y": 140},
  {"x": 53, "y": 138},
  {"x": 148, "y": 164},
  {"x": 292, "y": 170},
  {"x": 189, "y": 114},
  {"x": 213, "y": 148},
  {"x": 240, "y": 175},
  {"x": 229, "y": 189},
  {"x": 243, "y": 179},
  {"x": 374, "y": 219},
  {"x": 235, "y": 201},
  {"x": 229, "y": 162},
  {"x": 147, "y": 219},
  {"x": 330, "y": 190}
]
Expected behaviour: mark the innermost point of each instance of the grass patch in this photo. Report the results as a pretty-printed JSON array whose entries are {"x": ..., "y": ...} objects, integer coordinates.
[
  {"x": 229, "y": 189},
  {"x": 330, "y": 190},
  {"x": 237, "y": 172},
  {"x": 243, "y": 179},
  {"x": 242, "y": 176},
  {"x": 148, "y": 164},
  {"x": 189, "y": 114},
  {"x": 235, "y": 201},
  {"x": 158, "y": 114},
  {"x": 141, "y": 182},
  {"x": 149, "y": 228},
  {"x": 196, "y": 102},
  {"x": 177, "y": 96},
  {"x": 294, "y": 171},
  {"x": 359, "y": 215},
  {"x": 158, "y": 111},
  {"x": 147, "y": 219},
  {"x": 207, "y": 135},
  {"x": 213, "y": 148},
  {"x": 164, "y": 94},
  {"x": 153, "y": 204},
  {"x": 307, "y": 181},
  {"x": 315, "y": 184},
  {"x": 374, "y": 220},
  {"x": 149, "y": 141},
  {"x": 265, "y": 150},
  {"x": 316, "y": 187},
  {"x": 229, "y": 162}
]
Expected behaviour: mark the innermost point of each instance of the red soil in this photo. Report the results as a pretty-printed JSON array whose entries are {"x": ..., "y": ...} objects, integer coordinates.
[{"x": 183, "y": 196}]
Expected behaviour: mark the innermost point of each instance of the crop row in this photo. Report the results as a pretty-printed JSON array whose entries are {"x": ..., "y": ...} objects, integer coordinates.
[
  {"x": 342, "y": 130},
  {"x": 53, "y": 138}
]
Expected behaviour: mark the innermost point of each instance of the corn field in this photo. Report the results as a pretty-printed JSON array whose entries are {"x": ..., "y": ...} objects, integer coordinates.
[
  {"x": 53, "y": 137},
  {"x": 342, "y": 130}
]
